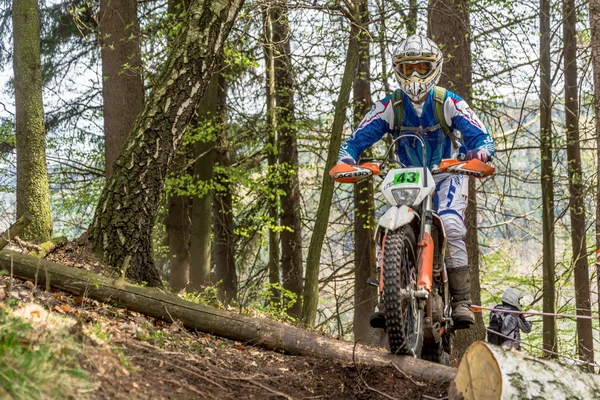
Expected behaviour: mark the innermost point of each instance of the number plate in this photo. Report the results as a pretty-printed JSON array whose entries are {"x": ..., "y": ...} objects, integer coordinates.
[{"x": 406, "y": 178}]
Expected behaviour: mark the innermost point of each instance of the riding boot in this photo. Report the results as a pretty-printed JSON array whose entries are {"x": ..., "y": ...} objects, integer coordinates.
[{"x": 460, "y": 289}]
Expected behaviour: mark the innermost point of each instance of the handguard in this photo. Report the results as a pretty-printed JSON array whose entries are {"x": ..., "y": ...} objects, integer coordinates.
[
  {"x": 474, "y": 167},
  {"x": 345, "y": 173}
]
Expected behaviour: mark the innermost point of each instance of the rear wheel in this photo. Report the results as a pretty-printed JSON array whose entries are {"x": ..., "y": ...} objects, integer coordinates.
[{"x": 404, "y": 319}]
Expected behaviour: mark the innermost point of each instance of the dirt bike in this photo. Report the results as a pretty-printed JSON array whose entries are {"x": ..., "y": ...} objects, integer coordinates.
[{"x": 413, "y": 281}]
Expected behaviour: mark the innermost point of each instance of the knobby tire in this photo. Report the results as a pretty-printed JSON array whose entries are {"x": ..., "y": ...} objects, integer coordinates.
[{"x": 404, "y": 320}]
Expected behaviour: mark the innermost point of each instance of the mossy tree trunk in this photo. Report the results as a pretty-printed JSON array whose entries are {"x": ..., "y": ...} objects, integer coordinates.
[
  {"x": 585, "y": 342},
  {"x": 122, "y": 86},
  {"x": 224, "y": 238},
  {"x": 33, "y": 191},
  {"x": 313, "y": 260},
  {"x": 291, "y": 234},
  {"x": 595, "y": 27},
  {"x": 178, "y": 222},
  {"x": 271, "y": 149},
  {"x": 546, "y": 151},
  {"x": 365, "y": 296},
  {"x": 202, "y": 206},
  {"x": 128, "y": 205},
  {"x": 449, "y": 27}
]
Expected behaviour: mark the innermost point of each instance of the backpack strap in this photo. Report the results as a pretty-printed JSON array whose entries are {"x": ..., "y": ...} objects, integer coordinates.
[
  {"x": 398, "y": 107},
  {"x": 439, "y": 98}
]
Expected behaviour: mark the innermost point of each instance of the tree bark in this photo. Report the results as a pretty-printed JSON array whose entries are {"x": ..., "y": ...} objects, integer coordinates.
[
  {"x": 313, "y": 260},
  {"x": 271, "y": 149},
  {"x": 202, "y": 214},
  {"x": 595, "y": 44},
  {"x": 488, "y": 372},
  {"x": 260, "y": 332},
  {"x": 449, "y": 27},
  {"x": 33, "y": 191},
  {"x": 291, "y": 234},
  {"x": 224, "y": 239},
  {"x": 546, "y": 153},
  {"x": 122, "y": 86},
  {"x": 585, "y": 343},
  {"x": 128, "y": 205},
  {"x": 365, "y": 296}
]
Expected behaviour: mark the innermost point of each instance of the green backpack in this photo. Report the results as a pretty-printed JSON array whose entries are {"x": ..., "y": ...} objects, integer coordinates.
[{"x": 439, "y": 97}]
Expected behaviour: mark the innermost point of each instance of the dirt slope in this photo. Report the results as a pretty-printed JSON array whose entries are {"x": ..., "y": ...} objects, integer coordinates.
[{"x": 129, "y": 356}]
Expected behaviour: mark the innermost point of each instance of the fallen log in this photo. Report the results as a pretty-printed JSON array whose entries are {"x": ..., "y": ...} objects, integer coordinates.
[
  {"x": 491, "y": 373},
  {"x": 254, "y": 331}
]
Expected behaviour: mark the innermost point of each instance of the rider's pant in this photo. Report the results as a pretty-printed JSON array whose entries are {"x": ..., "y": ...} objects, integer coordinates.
[{"x": 450, "y": 201}]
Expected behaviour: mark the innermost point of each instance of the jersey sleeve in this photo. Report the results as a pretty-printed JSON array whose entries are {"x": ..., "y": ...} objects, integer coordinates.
[
  {"x": 460, "y": 116},
  {"x": 525, "y": 325},
  {"x": 377, "y": 122}
]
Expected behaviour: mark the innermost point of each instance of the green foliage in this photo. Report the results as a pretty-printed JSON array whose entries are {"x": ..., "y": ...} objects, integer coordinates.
[
  {"x": 208, "y": 296},
  {"x": 38, "y": 364},
  {"x": 274, "y": 301}
]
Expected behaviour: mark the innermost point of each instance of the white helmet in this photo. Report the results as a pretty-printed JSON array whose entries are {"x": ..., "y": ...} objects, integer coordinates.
[
  {"x": 513, "y": 297},
  {"x": 414, "y": 50}
]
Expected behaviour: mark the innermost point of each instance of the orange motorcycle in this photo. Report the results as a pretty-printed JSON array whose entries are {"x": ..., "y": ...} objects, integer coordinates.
[{"x": 413, "y": 281}]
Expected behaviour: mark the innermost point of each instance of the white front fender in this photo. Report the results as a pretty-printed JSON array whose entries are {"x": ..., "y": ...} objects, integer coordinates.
[{"x": 395, "y": 217}]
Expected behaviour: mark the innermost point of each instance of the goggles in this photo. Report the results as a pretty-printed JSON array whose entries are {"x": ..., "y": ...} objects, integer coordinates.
[{"x": 421, "y": 69}]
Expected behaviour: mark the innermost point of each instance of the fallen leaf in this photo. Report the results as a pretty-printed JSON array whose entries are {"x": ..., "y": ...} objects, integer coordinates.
[
  {"x": 66, "y": 308},
  {"x": 78, "y": 300},
  {"x": 35, "y": 313}
]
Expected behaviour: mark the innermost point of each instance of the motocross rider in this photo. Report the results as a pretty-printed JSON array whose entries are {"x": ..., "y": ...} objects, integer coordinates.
[{"x": 417, "y": 65}]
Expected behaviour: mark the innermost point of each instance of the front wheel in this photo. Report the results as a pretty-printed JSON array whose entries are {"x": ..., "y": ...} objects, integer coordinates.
[{"x": 404, "y": 319}]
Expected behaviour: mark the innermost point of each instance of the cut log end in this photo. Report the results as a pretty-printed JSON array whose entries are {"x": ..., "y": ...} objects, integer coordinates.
[
  {"x": 488, "y": 372},
  {"x": 479, "y": 376}
]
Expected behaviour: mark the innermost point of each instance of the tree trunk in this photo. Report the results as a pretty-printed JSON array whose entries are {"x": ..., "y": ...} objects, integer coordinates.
[
  {"x": 313, "y": 260},
  {"x": 178, "y": 232},
  {"x": 272, "y": 198},
  {"x": 122, "y": 86},
  {"x": 410, "y": 19},
  {"x": 585, "y": 342},
  {"x": 178, "y": 206},
  {"x": 365, "y": 296},
  {"x": 449, "y": 27},
  {"x": 224, "y": 239},
  {"x": 202, "y": 216},
  {"x": 33, "y": 191},
  {"x": 128, "y": 205},
  {"x": 488, "y": 372},
  {"x": 595, "y": 43},
  {"x": 546, "y": 151},
  {"x": 291, "y": 234},
  {"x": 254, "y": 331}
]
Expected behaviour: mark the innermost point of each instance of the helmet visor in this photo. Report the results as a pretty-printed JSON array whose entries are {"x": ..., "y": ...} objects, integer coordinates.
[{"x": 421, "y": 69}]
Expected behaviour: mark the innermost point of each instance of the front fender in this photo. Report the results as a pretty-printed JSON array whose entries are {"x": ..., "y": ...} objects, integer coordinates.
[{"x": 395, "y": 217}]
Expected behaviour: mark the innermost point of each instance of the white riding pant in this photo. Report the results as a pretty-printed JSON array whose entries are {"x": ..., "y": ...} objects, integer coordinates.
[{"x": 450, "y": 202}]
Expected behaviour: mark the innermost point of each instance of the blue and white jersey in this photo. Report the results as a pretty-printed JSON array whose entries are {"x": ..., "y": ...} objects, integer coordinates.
[{"x": 380, "y": 120}]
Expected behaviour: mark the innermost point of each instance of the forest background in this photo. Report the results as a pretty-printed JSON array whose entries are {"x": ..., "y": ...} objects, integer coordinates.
[{"x": 242, "y": 197}]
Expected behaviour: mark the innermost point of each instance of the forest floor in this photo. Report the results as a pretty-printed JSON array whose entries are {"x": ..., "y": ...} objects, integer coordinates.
[{"x": 126, "y": 355}]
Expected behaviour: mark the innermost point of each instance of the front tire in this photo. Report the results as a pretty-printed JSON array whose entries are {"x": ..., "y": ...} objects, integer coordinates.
[{"x": 404, "y": 319}]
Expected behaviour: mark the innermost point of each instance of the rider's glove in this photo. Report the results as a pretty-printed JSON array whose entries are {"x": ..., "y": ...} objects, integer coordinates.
[
  {"x": 480, "y": 154},
  {"x": 347, "y": 160}
]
